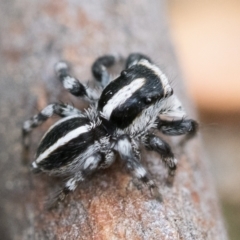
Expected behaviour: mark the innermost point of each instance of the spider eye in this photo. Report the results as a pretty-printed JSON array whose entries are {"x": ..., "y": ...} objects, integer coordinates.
[{"x": 123, "y": 73}]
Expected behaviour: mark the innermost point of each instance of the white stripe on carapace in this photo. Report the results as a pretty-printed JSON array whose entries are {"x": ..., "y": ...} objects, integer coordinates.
[
  {"x": 121, "y": 96},
  {"x": 158, "y": 72},
  {"x": 62, "y": 141}
]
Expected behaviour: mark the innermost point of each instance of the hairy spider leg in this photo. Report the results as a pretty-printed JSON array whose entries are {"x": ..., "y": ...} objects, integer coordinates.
[
  {"x": 134, "y": 58},
  {"x": 125, "y": 149},
  {"x": 90, "y": 165},
  {"x": 99, "y": 69},
  {"x": 73, "y": 85},
  {"x": 172, "y": 120},
  {"x": 154, "y": 143},
  {"x": 179, "y": 127}
]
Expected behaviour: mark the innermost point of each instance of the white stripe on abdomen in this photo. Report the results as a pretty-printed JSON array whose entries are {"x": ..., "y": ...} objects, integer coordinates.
[{"x": 62, "y": 141}]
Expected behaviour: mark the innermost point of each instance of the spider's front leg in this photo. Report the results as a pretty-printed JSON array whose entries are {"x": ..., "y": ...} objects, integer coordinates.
[
  {"x": 125, "y": 149},
  {"x": 179, "y": 127},
  {"x": 99, "y": 69},
  {"x": 100, "y": 66},
  {"x": 156, "y": 144},
  {"x": 73, "y": 85},
  {"x": 62, "y": 110},
  {"x": 173, "y": 122},
  {"x": 134, "y": 58}
]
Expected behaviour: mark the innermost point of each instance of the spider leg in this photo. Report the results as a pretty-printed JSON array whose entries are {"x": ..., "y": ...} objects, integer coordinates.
[
  {"x": 172, "y": 120},
  {"x": 125, "y": 149},
  {"x": 62, "y": 110},
  {"x": 99, "y": 69},
  {"x": 73, "y": 85},
  {"x": 134, "y": 58},
  {"x": 178, "y": 127},
  {"x": 89, "y": 166},
  {"x": 154, "y": 143},
  {"x": 109, "y": 158}
]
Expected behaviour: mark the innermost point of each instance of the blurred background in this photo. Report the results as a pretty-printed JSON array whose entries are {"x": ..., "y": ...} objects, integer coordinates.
[{"x": 206, "y": 35}]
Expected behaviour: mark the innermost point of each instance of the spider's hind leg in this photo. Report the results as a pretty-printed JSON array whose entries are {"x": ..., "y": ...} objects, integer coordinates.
[
  {"x": 61, "y": 194},
  {"x": 89, "y": 166}
]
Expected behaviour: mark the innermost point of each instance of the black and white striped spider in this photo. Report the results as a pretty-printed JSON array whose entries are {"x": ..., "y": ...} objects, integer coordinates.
[{"x": 119, "y": 120}]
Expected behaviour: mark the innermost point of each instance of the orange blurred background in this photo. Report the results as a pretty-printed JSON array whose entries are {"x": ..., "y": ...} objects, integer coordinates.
[
  {"x": 207, "y": 39},
  {"x": 206, "y": 36}
]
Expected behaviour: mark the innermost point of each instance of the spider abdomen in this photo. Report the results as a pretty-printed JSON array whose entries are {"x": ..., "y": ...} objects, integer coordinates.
[{"x": 67, "y": 144}]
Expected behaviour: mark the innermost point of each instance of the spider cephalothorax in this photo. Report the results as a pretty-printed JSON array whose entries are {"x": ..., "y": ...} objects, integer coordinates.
[{"x": 119, "y": 120}]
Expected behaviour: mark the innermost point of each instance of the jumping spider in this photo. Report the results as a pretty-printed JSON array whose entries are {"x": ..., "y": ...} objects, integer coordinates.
[{"x": 118, "y": 121}]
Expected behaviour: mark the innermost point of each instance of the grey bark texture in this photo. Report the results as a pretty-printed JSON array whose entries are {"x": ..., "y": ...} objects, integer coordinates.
[{"x": 34, "y": 36}]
